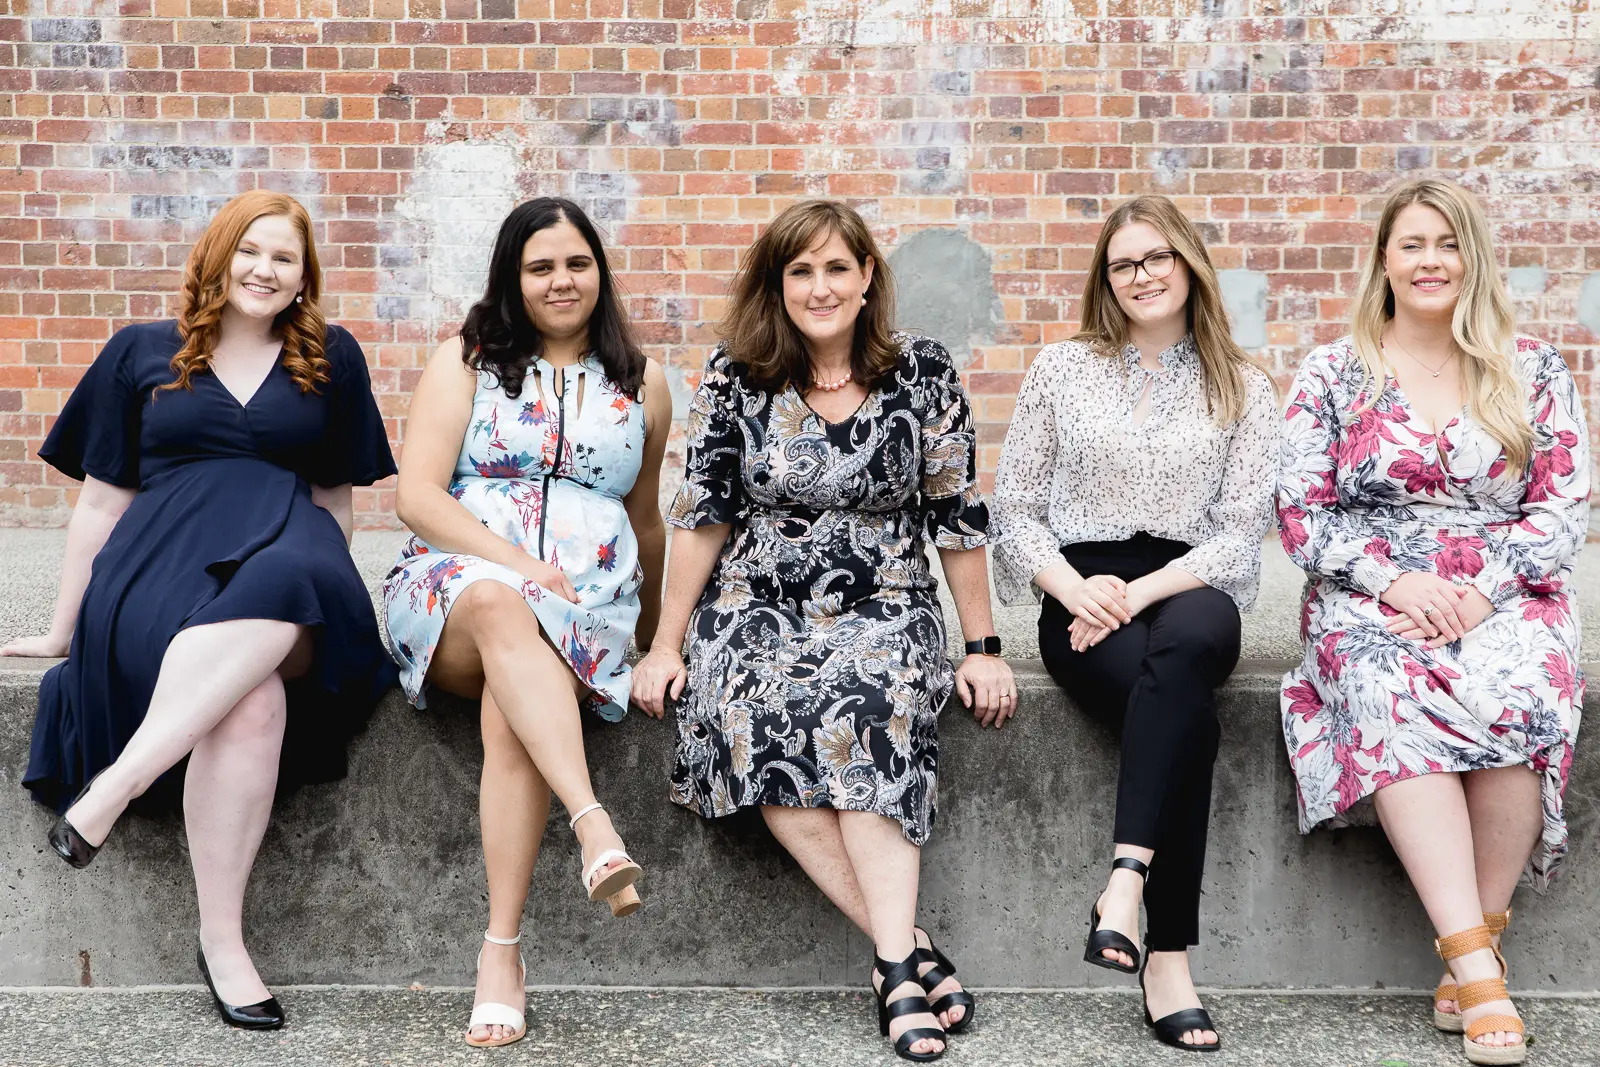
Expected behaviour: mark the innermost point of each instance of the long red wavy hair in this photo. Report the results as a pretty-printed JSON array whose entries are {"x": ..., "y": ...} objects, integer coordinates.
[{"x": 205, "y": 293}]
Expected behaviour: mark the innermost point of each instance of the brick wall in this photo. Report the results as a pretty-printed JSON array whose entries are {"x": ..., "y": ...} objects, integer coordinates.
[{"x": 983, "y": 138}]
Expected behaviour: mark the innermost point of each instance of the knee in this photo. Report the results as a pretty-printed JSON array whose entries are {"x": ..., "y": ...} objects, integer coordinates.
[
  {"x": 1201, "y": 628},
  {"x": 258, "y": 718},
  {"x": 493, "y": 609}
]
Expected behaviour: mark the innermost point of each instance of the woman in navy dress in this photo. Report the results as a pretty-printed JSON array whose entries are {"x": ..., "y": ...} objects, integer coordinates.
[{"x": 208, "y": 601}]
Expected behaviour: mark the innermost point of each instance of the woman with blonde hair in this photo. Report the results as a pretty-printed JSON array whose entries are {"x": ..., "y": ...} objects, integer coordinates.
[
  {"x": 208, "y": 606},
  {"x": 1132, "y": 495},
  {"x": 1434, "y": 486},
  {"x": 826, "y": 451}
]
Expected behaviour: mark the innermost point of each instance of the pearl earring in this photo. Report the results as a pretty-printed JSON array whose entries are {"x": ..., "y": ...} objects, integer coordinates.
[{"x": 298, "y": 299}]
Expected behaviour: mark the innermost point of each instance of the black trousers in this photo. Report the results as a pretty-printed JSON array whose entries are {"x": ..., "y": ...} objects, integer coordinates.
[{"x": 1153, "y": 680}]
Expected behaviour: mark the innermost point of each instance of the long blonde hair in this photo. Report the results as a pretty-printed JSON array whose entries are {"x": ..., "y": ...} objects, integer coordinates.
[
  {"x": 205, "y": 293},
  {"x": 1223, "y": 364},
  {"x": 1482, "y": 325}
]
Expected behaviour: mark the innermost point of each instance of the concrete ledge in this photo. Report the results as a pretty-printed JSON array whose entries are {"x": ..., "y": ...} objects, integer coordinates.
[{"x": 378, "y": 879}]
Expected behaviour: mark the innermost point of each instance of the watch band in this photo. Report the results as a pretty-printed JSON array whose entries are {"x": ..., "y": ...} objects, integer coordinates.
[{"x": 984, "y": 646}]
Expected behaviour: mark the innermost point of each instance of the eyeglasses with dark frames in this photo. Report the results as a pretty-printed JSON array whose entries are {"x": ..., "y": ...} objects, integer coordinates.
[{"x": 1157, "y": 265}]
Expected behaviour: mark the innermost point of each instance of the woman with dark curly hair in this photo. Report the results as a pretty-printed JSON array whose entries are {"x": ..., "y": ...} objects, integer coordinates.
[
  {"x": 533, "y": 455},
  {"x": 209, "y": 607}
]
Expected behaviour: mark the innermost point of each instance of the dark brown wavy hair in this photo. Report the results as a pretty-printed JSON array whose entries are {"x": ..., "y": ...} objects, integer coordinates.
[
  {"x": 301, "y": 325},
  {"x": 757, "y": 330}
]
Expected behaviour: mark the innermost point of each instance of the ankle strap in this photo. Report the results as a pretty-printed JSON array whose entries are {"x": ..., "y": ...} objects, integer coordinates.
[
  {"x": 493, "y": 940},
  {"x": 586, "y": 809},
  {"x": 1130, "y": 864},
  {"x": 1460, "y": 944},
  {"x": 1497, "y": 921}
]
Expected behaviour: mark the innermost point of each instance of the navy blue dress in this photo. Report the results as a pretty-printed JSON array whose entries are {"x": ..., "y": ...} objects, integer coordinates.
[{"x": 222, "y": 527}]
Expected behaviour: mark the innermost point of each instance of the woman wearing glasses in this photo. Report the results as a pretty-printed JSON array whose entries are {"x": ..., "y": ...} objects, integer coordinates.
[{"x": 1132, "y": 495}]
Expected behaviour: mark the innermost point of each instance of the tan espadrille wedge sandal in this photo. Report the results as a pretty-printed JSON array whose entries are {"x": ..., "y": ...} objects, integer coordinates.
[
  {"x": 1484, "y": 991},
  {"x": 1450, "y": 1021}
]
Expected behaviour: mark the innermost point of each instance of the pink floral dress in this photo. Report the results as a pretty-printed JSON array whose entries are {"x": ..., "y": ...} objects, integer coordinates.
[{"x": 1364, "y": 496}]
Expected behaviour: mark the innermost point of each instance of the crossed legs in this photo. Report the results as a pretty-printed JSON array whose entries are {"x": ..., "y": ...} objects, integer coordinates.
[
  {"x": 219, "y": 699},
  {"x": 492, "y": 647}
]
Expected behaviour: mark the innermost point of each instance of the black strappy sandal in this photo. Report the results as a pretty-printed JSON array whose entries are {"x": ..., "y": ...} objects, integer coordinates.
[
  {"x": 1171, "y": 1028},
  {"x": 1100, "y": 940},
  {"x": 895, "y": 975},
  {"x": 941, "y": 971}
]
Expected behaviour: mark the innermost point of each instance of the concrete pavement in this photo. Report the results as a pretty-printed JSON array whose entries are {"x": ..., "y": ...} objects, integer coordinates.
[{"x": 735, "y": 1028}]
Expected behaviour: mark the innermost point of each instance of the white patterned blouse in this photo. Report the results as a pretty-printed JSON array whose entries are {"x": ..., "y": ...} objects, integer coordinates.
[{"x": 1075, "y": 467}]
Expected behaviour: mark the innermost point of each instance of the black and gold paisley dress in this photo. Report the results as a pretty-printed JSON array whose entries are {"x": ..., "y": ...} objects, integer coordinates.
[{"x": 817, "y": 657}]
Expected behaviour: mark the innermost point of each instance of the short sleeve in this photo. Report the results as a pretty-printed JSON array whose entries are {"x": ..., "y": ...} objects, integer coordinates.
[
  {"x": 954, "y": 515},
  {"x": 355, "y": 446},
  {"x": 711, "y": 491},
  {"x": 97, "y": 432}
]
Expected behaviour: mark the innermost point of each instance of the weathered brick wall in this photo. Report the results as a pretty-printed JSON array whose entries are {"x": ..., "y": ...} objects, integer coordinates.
[{"x": 983, "y": 138}]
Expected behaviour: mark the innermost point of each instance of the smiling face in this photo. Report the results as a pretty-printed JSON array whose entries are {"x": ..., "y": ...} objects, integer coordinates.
[
  {"x": 1147, "y": 300},
  {"x": 823, "y": 288},
  {"x": 560, "y": 281},
  {"x": 268, "y": 268},
  {"x": 1422, "y": 260}
]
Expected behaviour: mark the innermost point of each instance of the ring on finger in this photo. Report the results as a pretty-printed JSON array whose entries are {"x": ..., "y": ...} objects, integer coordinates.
[{"x": 1429, "y": 610}]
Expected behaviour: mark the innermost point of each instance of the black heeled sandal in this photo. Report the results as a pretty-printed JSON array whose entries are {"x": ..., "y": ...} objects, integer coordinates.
[
  {"x": 66, "y": 842},
  {"x": 1100, "y": 940},
  {"x": 1171, "y": 1028},
  {"x": 941, "y": 971},
  {"x": 895, "y": 975},
  {"x": 265, "y": 1015}
]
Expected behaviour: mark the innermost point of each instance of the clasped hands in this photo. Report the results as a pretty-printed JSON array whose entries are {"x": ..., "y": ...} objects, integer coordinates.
[
  {"x": 1433, "y": 610},
  {"x": 1100, "y": 604}
]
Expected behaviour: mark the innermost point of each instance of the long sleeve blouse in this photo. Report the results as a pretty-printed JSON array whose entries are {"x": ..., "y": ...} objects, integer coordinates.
[{"x": 1075, "y": 467}]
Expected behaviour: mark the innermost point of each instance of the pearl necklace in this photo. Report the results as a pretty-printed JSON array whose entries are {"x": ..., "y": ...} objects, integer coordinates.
[{"x": 830, "y": 387}]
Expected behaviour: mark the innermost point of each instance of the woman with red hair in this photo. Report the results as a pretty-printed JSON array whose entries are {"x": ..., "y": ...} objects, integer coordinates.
[{"x": 209, "y": 606}]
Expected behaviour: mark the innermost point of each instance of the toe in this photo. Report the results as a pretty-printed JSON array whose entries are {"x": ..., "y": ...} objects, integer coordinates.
[
  {"x": 1209, "y": 1037},
  {"x": 956, "y": 1015}
]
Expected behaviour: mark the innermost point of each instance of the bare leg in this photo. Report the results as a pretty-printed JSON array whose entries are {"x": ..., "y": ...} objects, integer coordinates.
[
  {"x": 206, "y": 671},
  {"x": 811, "y": 836},
  {"x": 227, "y": 800},
  {"x": 513, "y": 805},
  {"x": 887, "y": 871},
  {"x": 1504, "y": 806},
  {"x": 1427, "y": 822},
  {"x": 493, "y": 643}
]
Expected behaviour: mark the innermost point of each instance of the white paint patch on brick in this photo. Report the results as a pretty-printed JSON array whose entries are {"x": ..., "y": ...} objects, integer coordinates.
[
  {"x": 865, "y": 23},
  {"x": 458, "y": 195}
]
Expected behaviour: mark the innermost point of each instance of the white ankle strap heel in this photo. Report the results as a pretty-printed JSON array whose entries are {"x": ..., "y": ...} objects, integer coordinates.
[
  {"x": 615, "y": 887},
  {"x": 492, "y": 1014}
]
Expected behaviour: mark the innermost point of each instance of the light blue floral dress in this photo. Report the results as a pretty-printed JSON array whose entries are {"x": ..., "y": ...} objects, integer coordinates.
[{"x": 547, "y": 471}]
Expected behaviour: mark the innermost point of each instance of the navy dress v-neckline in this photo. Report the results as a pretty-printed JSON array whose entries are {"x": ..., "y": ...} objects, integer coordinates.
[{"x": 222, "y": 527}]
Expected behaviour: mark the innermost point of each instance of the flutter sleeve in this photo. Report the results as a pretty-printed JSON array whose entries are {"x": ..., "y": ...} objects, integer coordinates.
[
  {"x": 711, "y": 491},
  {"x": 97, "y": 433},
  {"x": 954, "y": 515},
  {"x": 355, "y": 446}
]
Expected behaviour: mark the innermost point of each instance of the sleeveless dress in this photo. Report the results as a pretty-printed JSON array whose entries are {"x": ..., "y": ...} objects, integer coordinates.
[
  {"x": 222, "y": 527},
  {"x": 547, "y": 471},
  {"x": 1365, "y": 495}
]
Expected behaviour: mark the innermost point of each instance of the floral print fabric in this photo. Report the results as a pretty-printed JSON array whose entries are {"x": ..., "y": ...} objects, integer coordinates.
[
  {"x": 1076, "y": 468},
  {"x": 817, "y": 663},
  {"x": 1364, "y": 496},
  {"x": 548, "y": 472}
]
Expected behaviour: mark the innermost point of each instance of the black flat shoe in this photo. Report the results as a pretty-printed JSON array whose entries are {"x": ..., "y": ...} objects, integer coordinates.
[
  {"x": 894, "y": 976},
  {"x": 1171, "y": 1028},
  {"x": 266, "y": 1015},
  {"x": 66, "y": 842},
  {"x": 1100, "y": 940},
  {"x": 934, "y": 976}
]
